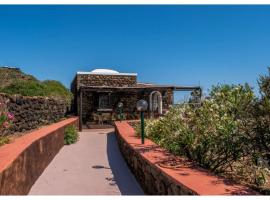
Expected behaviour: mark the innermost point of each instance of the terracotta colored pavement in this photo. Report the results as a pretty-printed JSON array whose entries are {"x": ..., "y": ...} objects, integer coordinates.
[{"x": 92, "y": 166}]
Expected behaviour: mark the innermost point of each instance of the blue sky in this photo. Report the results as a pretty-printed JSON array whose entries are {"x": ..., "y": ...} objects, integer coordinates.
[{"x": 182, "y": 45}]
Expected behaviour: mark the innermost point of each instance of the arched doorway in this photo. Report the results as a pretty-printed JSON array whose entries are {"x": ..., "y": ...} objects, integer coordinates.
[{"x": 155, "y": 103}]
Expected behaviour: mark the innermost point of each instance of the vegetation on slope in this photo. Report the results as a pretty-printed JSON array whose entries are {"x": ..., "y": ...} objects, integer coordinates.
[
  {"x": 9, "y": 75},
  {"x": 14, "y": 81}
]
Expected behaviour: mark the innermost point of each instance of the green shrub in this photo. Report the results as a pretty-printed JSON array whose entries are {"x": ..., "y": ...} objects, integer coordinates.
[
  {"x": 26, "y": 88},
  {"x": 262, "y": 117},
  {"x": 71, "y": 135},
  {"x": 6, "y": 119},
  {"x": 218, "y": 135},
  {"x": 58, "y": 90},
  {"x": 4, "y": 140},
  {"x": 48, "y": 88}
]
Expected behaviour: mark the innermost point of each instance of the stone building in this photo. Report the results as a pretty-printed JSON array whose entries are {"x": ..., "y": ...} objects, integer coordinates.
[{"x": 98, "y": 93}]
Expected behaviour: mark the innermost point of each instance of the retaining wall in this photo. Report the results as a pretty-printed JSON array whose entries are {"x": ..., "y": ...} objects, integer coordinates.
[
  {"x": 32, "y": 112},
  {"x": 24, "y": 160},
  {"x": 148, "y": 164}
]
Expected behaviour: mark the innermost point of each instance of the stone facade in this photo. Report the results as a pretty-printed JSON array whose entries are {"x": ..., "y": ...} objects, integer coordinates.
[
  {"x": 104, "y": 80},
  {"x": 129, "y": 100},
  {"x": 92, "y": 85},
  {"x": 32, "y": 112},
  {"x": 98, "y": 80}
]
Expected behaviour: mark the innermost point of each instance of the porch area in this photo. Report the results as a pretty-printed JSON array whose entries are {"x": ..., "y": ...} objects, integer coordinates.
[{"x": 101, "y": 106}]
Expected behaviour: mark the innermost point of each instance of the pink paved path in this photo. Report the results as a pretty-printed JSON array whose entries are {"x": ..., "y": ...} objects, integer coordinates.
[{"x": 92, "y": 166}]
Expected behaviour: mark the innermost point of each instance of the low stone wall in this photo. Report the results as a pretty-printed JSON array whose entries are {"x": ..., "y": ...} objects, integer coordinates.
[
  {"x": 24, "y": 160},
  {"x": 147, "y": 163},
  {"x": 32, "y": 112}
]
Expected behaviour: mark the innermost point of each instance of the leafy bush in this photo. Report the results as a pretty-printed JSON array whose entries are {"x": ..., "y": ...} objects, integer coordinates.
[
  {"x": 220, "y": 134},
  {"x": 57, "y": 89},
  {"x": 71, "y": 135},
  {"x": 4, "y": 140},
  {"x": 262, "y": 115}
]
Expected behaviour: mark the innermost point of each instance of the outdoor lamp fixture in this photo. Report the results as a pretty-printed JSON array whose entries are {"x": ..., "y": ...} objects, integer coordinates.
[
  {"x": 142, "y": 107},
  {"x": 120, "y": 106}
]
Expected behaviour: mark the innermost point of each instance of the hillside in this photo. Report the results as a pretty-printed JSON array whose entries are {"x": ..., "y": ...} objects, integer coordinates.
[
  {"x": 14, "y": 81},
  {"x": 9, "y": 75}
]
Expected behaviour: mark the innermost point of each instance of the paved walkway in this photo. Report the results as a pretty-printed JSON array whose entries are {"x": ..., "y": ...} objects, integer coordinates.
[{"x": 92, "y": 166}]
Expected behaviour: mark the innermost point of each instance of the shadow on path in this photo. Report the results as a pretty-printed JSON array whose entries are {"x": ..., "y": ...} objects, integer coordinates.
[{"x": 122, "y": 176}]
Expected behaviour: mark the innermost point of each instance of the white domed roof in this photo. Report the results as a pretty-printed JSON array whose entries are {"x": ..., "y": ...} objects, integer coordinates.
[
  {"x": 104, "y": 71},
  {"x": 107, "y": 72}
]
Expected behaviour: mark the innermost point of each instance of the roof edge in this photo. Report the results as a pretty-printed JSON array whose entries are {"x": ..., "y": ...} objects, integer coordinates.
[{"x": 113, "y": 74}]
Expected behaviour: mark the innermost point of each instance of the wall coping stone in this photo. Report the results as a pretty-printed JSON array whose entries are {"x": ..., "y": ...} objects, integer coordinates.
[
  {"x": 10, "y": 152},
  {"x": 105, "y": 74},
  {"x": 196, "y": 179}
]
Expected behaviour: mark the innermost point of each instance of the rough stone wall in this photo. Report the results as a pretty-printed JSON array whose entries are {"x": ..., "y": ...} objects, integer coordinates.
[
  {"x": 129, "y": 100},
  {"x": 98, "y": 80},
  {"x": 151, "y": 179},
  {"x": 167, "y": 98},
  {"x": 87, "y": 106},
  {"x": 105, "y": 80},
  {"x": 24, "y": 160},
  {"x": 90, "y": 104},
  {"x": 32, "y": 112}
]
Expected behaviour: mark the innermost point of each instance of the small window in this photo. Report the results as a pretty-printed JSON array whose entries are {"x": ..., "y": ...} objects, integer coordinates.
[{"x": 104, "y": 101}]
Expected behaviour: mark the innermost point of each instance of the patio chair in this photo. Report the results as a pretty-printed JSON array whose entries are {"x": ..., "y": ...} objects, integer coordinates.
[
  {"x": 106, "y": 117},
  {"x": 113, "y": 117},
  {"x": 98, "y": 118}
]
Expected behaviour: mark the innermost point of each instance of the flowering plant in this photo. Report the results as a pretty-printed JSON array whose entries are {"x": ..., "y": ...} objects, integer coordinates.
[
  {"x": 6, "y": 117},
  {"x": 220, "y": 134}
]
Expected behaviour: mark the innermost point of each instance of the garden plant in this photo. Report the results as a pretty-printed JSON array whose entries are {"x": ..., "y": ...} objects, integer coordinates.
[
  {"x": 6, "y": 119},
  {"x": 229, "y": 133},
  {"x": 71, "y": 135}
]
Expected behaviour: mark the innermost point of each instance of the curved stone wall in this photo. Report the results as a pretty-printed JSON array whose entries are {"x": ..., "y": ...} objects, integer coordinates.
[
  {"x": 147, "y": 162},
  {"x": 24, "y": 160}
]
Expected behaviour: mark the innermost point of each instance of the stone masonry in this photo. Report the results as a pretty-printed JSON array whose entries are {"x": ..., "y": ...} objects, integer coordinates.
[
  {"x": 104, "y": 80},
  {"x": 32, "y": 112},
  {"x": 112, "y": 84},
  {"x": 151, "y": 179}
]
